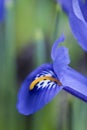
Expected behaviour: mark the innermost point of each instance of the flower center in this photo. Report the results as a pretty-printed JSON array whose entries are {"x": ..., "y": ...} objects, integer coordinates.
[{"x": 44, "y": 78}]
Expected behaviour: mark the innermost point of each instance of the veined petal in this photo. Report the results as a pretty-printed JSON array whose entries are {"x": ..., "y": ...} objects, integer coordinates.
[
  {"x": 61, "y": 61},
  {"x": 30, "y": 101},
  {"x": 75, "y": 83},
  {"x": 55, "y": 46}
]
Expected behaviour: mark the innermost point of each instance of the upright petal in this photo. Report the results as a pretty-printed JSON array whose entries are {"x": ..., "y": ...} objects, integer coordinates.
[
  {"x": 61, "y": 61},
  {"x": 72, "y": 81},
  {"x": 30, "y": 101},
  {"x": 75, "y": 83},
  {"x": 55, "y": 46}
]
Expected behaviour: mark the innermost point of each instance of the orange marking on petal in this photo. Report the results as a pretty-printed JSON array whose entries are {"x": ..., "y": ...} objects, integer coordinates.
[{"x": 44, "y": 78}]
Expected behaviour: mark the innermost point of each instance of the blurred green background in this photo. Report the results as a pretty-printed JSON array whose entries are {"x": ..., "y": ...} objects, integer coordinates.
[{"x": 26, "y": 35}]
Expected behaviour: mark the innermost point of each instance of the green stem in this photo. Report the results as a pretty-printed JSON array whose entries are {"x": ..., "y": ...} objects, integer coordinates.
[{"x": 55, "y": 34}]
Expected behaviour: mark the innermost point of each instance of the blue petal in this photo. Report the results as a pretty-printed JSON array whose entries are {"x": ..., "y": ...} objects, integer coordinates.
[
  {"x": 30, "y": 101},
  {"x": 61, "y": 61},
  {"x": 79, "y": 30},
  {"x": 1, "y": 10},
  {"x": 77, "y": 13},
  {"x": 83, "y": 6},
  {"x": 77, "y": 10},
  {"x": 78, "y": 25},
  {"x": 75, "y": 83},
  {"x": 55, "y": 46}
]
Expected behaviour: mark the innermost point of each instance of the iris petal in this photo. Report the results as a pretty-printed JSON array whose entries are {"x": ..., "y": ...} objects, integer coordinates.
[
  {"x": 75, "y": 83},
  {"x": 55, "y": 46},
  {"x": 78, "y": 24},
  {"x": 72, "y": 81},
  {"x": 83, "y": 6},
  {"x": 30, "y": 101},
  {"x": 79, "y": 30},
  {"x": 61, "y": 61},
  {"x": 77, "y": 10},
  {"x": 77, "y": 13}
]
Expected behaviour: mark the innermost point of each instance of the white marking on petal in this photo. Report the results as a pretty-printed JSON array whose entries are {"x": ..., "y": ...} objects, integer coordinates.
[{"x": 45, "y": 83}]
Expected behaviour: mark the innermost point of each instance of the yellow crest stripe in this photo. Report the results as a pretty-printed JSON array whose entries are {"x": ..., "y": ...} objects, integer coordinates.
[{"x": 44, "y": 78}]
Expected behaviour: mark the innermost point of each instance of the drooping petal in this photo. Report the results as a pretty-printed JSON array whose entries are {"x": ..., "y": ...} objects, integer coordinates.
[
  {"x": 55, "y": 46},
  {"x": 30, "y": 101},
  {"x": 61, "y": 61},
  {"x": 75, "y": 83}
]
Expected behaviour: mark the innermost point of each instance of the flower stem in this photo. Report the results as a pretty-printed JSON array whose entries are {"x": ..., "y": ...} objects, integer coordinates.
[{"x": 56, "y": 23}]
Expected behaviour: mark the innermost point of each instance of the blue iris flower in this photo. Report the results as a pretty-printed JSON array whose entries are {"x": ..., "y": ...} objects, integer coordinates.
[
  {"x": 45, "y": 82},
  {"x": 1, "y": 10},
  {"x": 77, "y": 13}
]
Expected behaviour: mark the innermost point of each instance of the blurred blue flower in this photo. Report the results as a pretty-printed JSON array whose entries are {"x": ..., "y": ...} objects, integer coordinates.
[
  {"x": 78, "y": 22},
  {"x": 1, "y": 10},
  {"x": 48, "y": 80},
  {"x": 77, "y": 13}
]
